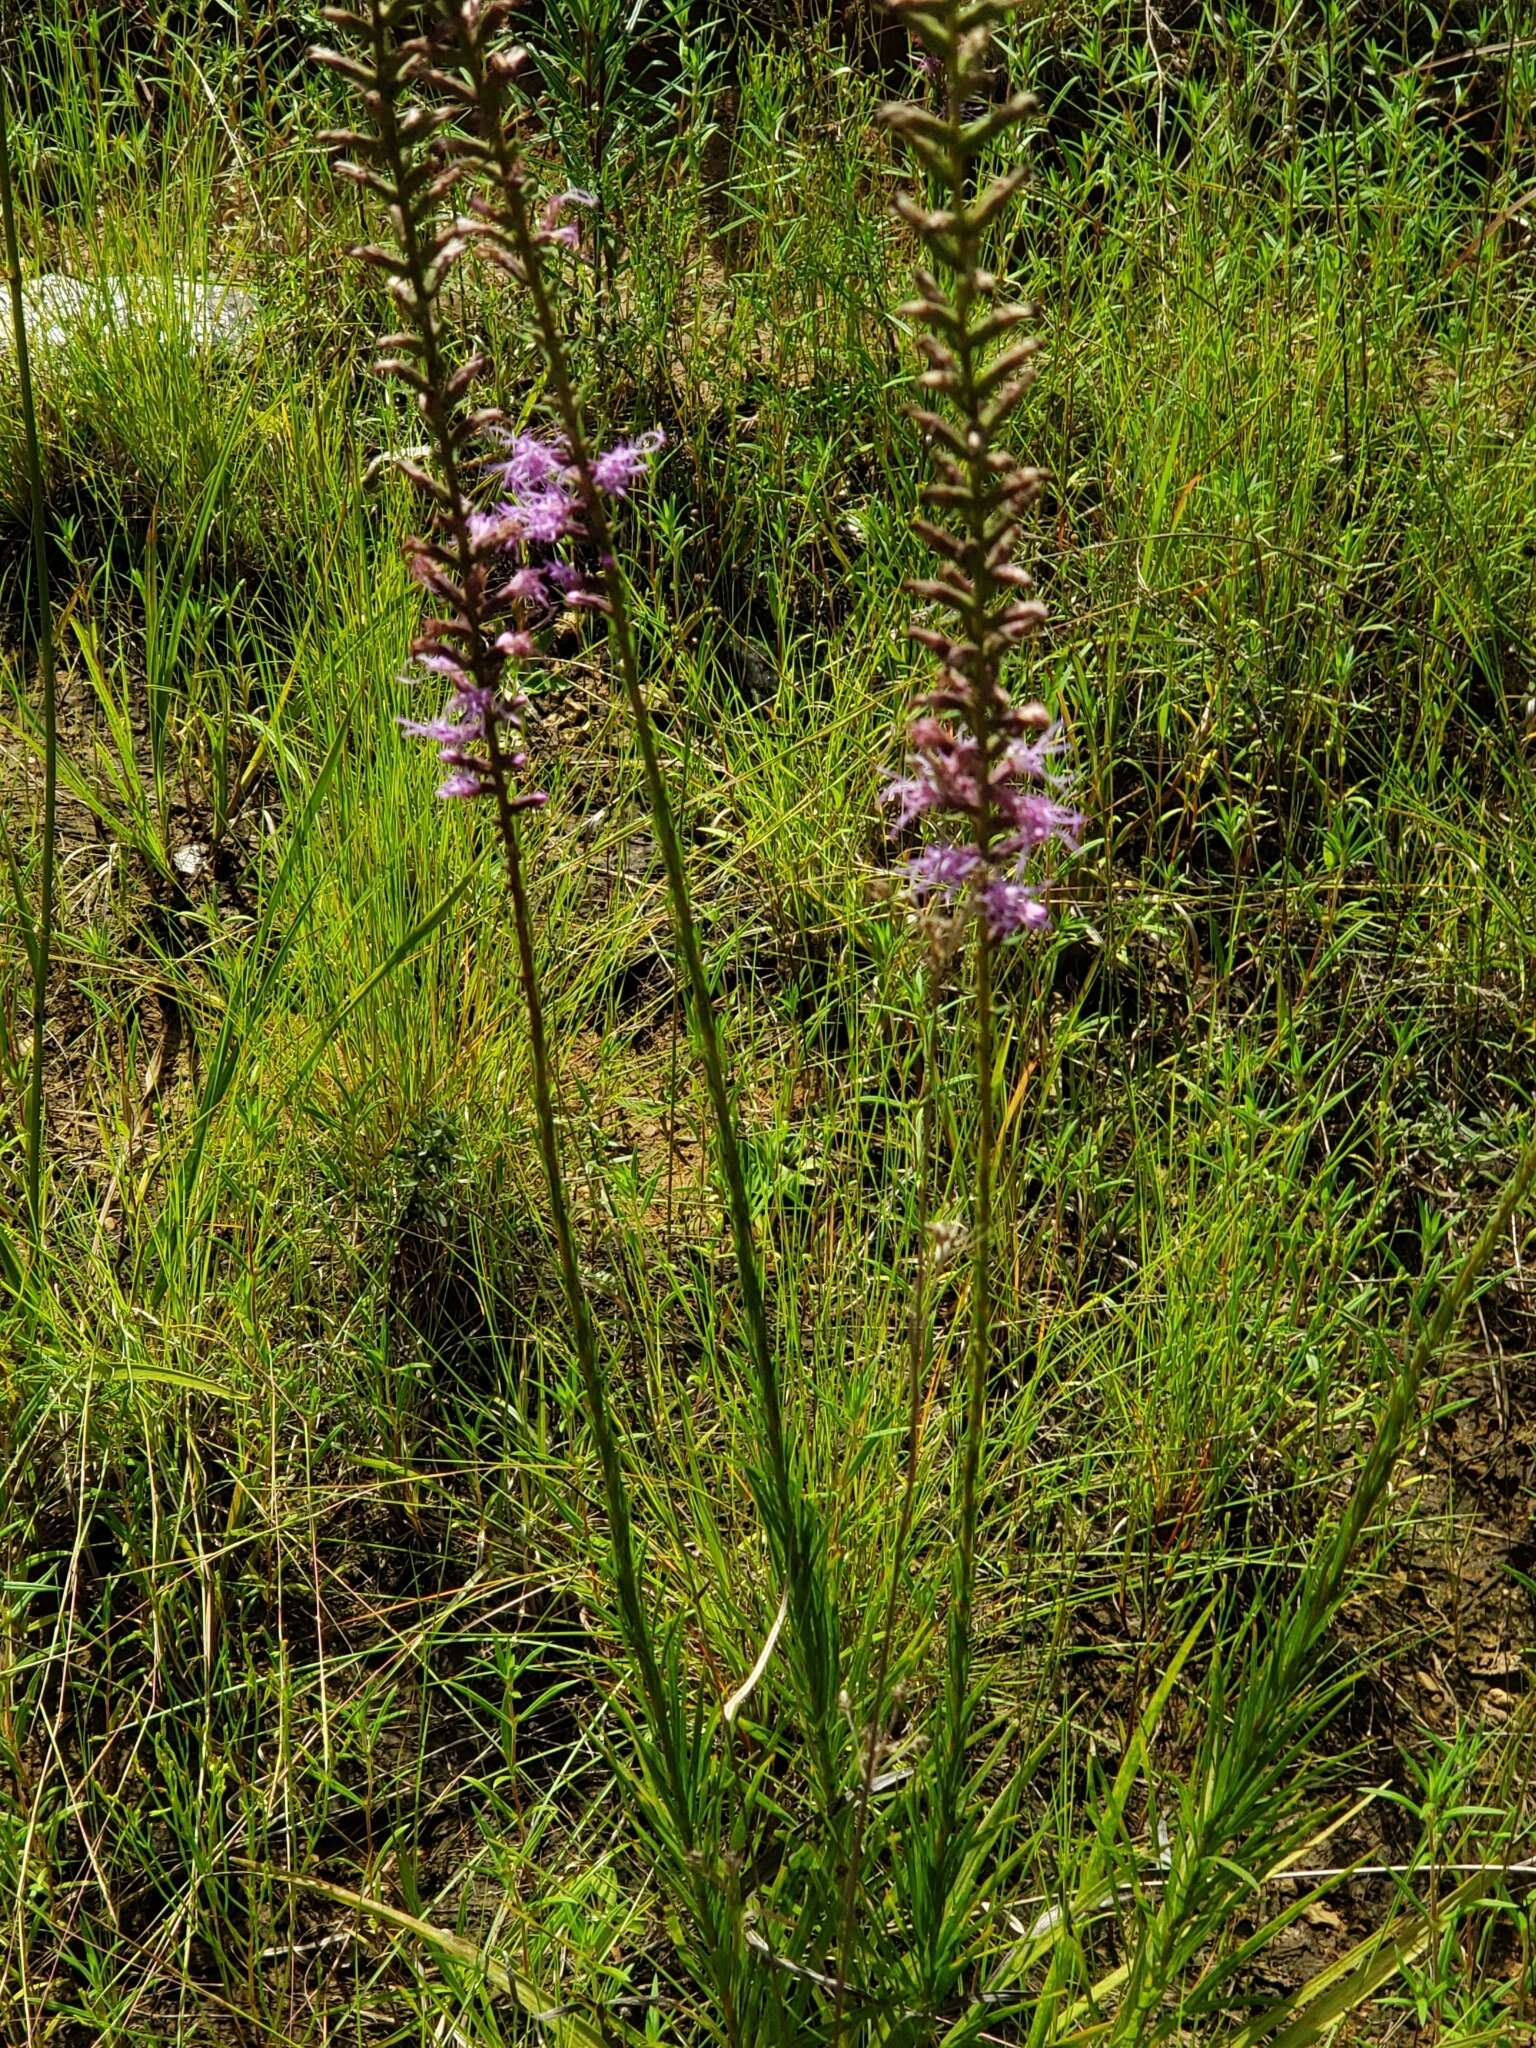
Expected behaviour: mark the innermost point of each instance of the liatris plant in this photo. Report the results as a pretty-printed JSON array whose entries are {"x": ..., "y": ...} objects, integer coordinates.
[
  {"x": 503, "y": 546},
  {"x": 518, "y": 523},
  {"x": 983, "y": 766}
]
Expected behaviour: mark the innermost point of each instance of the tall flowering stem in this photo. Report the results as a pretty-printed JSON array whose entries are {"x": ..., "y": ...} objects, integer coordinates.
[
  {"x": 494, "y": 563},
  {"x": 516, "y": 235},
  {"x": 983, "y": 768}
]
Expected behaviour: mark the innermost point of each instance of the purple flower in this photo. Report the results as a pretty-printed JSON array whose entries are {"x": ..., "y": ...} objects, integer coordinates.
[
  {"x": 942, "y": 871},
  {"x": 1033, "y": 760},
  {"x": 623, "y": 465},
  {"x": 545, "y": 517},
  {"x": 1036, "y": 819},
  {"x": 464, "y": 782},
  {"x": 1009, "y": 907},
  {"x": 551, "y": 229},
  {"x": 911, "y": 795},
  {"x": 462, "y": 736},
  {"x": 443, "y": 732},
  {"x": 490, "y": 531},
  {"x": 530, "y": 463},
  {"x": 526, "y": 585}
]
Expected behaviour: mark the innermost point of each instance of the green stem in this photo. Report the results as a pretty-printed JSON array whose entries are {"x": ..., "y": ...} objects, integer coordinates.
[
  {"x": 970, "y": 406},
  {"x": 917, "y": 1357},
  {"x": 42, "y": 933},
  {"x": 979, "y": 1350}
]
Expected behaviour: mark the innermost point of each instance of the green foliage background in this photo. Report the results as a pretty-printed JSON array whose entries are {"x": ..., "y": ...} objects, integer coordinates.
[{"x": 301, "y": 1579}]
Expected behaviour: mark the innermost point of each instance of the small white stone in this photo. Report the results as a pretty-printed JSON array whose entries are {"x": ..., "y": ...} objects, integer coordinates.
[{"x": 60, "y": 309}]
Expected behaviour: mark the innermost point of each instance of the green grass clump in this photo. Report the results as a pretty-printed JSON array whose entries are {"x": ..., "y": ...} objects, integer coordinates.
[{"x": 316, "y": 1716}]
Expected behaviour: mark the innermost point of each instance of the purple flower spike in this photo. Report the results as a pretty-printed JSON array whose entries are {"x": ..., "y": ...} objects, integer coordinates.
[
  {"x": 984, "y": 773},
  {"x": 503, "y": 589}
]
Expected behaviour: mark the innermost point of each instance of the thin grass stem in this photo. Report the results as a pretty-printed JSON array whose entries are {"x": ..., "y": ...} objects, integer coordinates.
[
  {"x": 41, "y": 946},
  {"x": 917, "y": 1359}
]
